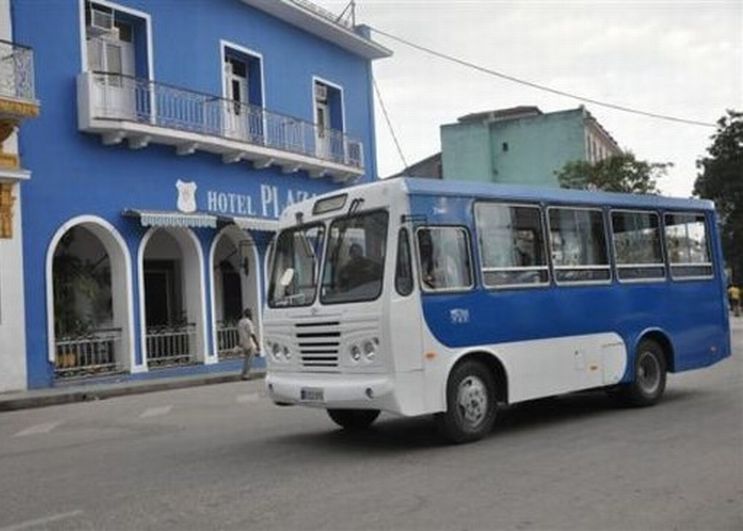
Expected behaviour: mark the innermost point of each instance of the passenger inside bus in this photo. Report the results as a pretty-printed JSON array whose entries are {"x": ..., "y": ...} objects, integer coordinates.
[
  {"x": 443, "y": 261},
  {"x": 358, "y": 270}
]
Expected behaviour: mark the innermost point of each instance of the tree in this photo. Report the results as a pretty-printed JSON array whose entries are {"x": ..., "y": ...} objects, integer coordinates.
[
  {"x": 619, "y": 173},
  {"x": 721, "y": 180}
]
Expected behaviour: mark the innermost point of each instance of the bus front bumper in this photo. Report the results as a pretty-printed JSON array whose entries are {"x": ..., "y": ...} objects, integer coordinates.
[{"x": 347, "y": 391}]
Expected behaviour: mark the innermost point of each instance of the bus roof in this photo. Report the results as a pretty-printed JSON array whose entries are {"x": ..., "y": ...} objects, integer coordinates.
[{"x": 538, "y": 193}]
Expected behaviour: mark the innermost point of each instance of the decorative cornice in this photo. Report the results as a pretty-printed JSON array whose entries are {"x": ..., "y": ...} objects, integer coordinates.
[
  {"x": 9, "y": 161},
  {"x": 18, "y": 109}
]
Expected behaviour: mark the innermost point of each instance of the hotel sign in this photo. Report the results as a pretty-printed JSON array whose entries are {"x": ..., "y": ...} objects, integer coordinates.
[{"x": 269, "y": 202}]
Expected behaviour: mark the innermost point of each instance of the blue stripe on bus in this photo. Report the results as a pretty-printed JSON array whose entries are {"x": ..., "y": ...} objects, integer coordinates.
[{"x": 692, "y": 312}]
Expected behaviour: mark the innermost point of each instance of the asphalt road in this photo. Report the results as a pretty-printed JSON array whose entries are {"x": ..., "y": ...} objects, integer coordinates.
[{"x": 224, "y": 457}]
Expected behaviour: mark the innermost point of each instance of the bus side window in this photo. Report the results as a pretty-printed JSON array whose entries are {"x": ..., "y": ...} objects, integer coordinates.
[
  {"x": 637, "y": 247},
  {"x": 512, "y": 245},
  {"x": 578, "y": 244},
  {"x": 404, "y": 268},
  {"x": 688, "y": 245},
  {"x": 445, "y": 258}
]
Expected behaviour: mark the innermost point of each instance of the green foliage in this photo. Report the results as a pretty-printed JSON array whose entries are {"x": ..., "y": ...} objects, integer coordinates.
[
  {"x": 78, "y": 284},
  {"x": 721, "y": 180},
  {"x": 619, "y": 173}
]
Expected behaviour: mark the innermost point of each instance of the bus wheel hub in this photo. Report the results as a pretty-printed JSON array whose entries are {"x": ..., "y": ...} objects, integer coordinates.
[{"x": 472, "y": 400}]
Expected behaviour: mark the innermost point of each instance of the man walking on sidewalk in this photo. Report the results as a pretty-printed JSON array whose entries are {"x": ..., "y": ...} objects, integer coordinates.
[{"x": 248, "y": 341}]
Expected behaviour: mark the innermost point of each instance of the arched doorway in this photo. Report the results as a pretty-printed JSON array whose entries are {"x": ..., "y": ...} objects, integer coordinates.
[
  {"x": 172, "y": 298},
  {"x": 89, "y": 306},
  {"x": 235, "y": 278}
]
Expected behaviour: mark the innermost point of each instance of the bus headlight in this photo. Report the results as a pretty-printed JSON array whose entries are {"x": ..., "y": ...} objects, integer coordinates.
[
  {"x": 275, "y": 350},
  {"x": 355, "y": 352},
  {"x": 287, "y": 353},
  {"x": 370, "y": 348}
]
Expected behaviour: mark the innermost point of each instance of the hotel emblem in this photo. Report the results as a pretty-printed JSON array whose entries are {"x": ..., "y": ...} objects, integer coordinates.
[{"x": 186, "y": 196}]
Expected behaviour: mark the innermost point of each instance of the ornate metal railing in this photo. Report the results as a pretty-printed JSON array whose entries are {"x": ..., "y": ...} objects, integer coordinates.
[
  {"x": 94, "y": 352},
  {"x": 17, "y": 71},
  {"x": 170, "y": 345},
  {"x": 122, "y": 97},
  {"x": 228, "y": 338}
]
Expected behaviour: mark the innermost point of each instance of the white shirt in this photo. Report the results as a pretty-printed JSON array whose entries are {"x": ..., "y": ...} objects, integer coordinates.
[{"x": 246, "y": 330}]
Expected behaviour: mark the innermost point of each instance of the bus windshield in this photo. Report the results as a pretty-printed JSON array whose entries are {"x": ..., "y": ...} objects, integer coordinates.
[
  {"x": 354, "y": 263},
  {"x": 296, "y": 266}
]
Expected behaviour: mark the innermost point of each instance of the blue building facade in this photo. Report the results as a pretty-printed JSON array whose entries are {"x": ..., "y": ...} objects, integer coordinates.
[{"x": 174, "y": 134}]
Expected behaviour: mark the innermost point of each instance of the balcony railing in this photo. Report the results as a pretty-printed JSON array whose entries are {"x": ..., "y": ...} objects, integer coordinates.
[
  {"x": 263, "y": 135},
  {"x": 17, "y": 72},
  {"x": 170, "y": 345},
  {"x": 228, "y": 339},
  {"x": 92, "y": 353}
]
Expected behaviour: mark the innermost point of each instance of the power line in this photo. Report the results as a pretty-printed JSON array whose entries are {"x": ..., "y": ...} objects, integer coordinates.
[
  {"x": 538, "y": 86},
  {"x": 389, "y": 122}
]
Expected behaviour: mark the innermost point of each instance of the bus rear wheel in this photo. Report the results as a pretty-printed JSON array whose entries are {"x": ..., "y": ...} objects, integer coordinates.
[
  {"x": 649, "y": 378},
  {"x": 353, "y": 419},
  {"x": 470, "y": 403}
]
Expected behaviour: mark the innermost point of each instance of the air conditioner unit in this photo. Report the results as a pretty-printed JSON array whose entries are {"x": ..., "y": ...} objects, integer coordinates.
[
  {"x": 101, "y": 22},
  {"x": 112, "y": 35},
  {"x": 321, "y": 92}
]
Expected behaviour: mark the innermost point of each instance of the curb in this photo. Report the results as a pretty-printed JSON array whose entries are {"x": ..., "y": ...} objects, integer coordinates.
[{"x": 82, "y": 393}]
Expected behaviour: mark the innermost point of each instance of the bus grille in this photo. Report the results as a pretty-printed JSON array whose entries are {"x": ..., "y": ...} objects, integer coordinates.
[{"x": 319, "y": 344}]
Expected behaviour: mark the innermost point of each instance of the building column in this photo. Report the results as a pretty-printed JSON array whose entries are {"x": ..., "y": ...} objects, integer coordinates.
[{"x": 13, "y": 367}]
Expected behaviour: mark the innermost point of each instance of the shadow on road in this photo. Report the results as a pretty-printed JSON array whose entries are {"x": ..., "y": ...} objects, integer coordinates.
[
  {"x": 393, "y": 434},
  {"x": 562, "y": 409}
]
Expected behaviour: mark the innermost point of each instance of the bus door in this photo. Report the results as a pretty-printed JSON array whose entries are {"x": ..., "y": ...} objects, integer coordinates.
[{"x": 406, "y": 311}]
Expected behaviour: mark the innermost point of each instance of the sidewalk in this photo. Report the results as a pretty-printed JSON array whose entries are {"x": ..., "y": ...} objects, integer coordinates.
[{"x": 128, "y": 384}]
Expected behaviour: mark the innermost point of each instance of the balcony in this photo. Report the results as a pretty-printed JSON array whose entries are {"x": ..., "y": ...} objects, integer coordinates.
[
  {"x": 142, "y": 111},
  {"x": 17, "y": 98}
]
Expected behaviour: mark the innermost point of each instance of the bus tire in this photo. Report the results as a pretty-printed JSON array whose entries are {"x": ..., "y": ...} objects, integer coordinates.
[
  {"x": 353, "y": 419},
  {"x": 471, "y": 404},
  {"x": 649, "y": 378}
]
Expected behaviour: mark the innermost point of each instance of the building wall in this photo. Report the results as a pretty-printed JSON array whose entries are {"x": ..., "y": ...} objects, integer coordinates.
[
  {"x": 75, "y": 175},
  {"x": 429, "y": 168},
  {"x": 536, "y": 147},
  {"x": 465, "y": 152},
  {"x": 12, "y": 317},
  {"x": 523, "y": 151},
  {"x": 598, "y": 146}
]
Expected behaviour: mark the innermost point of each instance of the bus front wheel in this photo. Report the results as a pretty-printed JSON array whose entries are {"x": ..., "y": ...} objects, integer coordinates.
[
  {"x": 470, "y": 403},
  {"x": 353, "y": 419},
  {"x": 649, "y": 378}
]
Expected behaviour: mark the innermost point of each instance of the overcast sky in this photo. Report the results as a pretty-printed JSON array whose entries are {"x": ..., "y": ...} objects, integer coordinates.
[{"x": 676, "y": 57}]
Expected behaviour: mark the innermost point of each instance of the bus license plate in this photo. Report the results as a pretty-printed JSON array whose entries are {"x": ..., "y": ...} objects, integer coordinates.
[{"x": 311, "y": 394}]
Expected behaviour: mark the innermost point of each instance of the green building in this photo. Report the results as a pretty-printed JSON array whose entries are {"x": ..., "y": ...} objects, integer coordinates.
[{"x": 518, "y": 145}]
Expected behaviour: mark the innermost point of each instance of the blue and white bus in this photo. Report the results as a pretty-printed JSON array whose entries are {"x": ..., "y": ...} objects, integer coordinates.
[{"x": 418, "y": 297}]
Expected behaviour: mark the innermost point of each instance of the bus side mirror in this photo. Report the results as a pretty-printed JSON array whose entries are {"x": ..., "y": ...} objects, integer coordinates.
[{"x": 287, "y": 277}]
